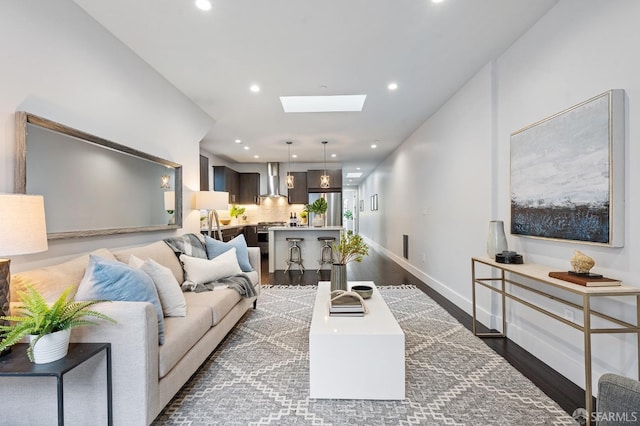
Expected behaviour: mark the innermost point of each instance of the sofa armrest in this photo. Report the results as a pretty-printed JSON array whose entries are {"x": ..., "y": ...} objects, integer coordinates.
[
  {"x": 254, "y": 259},
  {"x": 618, "y": 398},
  {"x": 134, "y": 354}
]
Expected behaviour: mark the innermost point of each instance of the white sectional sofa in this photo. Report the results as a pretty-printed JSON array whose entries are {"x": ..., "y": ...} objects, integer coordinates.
[{"x": 146, "y": 375}]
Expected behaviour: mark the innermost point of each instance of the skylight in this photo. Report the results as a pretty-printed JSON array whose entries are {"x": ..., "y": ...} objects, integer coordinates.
[
  {"x": 354, "y": 174},
  {"x": 335, "y": 103}
]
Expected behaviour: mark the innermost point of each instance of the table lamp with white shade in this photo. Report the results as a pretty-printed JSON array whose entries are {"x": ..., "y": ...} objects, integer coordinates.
[
  {"x": 23, "y": 230},
  {"x": 212, "y": 201}
]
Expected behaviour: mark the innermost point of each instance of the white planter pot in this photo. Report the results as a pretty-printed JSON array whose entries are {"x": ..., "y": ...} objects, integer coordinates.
[{"x": 51, "y": 347}]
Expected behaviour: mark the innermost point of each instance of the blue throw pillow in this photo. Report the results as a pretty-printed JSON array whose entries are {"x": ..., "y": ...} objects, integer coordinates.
[
  {"x": 216, "y": 247},
  {"x": 106, "y": 279}
]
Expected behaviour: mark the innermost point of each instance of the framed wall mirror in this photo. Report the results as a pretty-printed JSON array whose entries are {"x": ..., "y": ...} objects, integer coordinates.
[{"x": 92, "y": 186}]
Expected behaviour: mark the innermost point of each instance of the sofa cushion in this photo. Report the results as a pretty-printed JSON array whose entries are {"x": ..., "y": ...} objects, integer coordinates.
[
  {"x": 181, "y": 333},
  {"x": 202, "y": 271},
  {"x": 51, "y": 281},
  {"x": 169, "y": 291},
  {"x": 218, "y": 302},
  {"x": 216, "y": 247},
  {"x": 107, "y": 279},
  {"x": 158, "y": 251}
]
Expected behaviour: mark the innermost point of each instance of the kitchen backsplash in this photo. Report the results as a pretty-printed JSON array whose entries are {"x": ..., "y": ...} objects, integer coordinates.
[{"x": 270, "y": 210}]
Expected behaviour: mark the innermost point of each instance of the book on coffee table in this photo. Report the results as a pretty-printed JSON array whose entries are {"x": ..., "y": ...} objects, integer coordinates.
[
  {"x": 585, "y": 280},
  {"x": 346, "y": 303}
]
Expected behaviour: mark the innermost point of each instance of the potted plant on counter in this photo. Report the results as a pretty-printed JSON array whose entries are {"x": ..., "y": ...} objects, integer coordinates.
[
  {"x": 48, "y": 327},
  {"x": 236, "y": 211},
  {"x": 350, "y": 248},
  {"x": 318, "y": 208}
]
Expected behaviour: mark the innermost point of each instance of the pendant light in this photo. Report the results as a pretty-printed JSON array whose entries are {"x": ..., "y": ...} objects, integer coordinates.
[
  {"x": 324, "y": 179},
  {"x": 290, "y": 183}
]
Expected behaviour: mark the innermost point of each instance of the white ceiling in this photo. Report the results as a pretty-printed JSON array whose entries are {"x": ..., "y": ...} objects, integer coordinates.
[{"x": 316, "y": 47}]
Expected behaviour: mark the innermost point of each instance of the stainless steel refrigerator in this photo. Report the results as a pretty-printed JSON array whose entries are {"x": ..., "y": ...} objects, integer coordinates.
[{"x": 333, "y": 217}]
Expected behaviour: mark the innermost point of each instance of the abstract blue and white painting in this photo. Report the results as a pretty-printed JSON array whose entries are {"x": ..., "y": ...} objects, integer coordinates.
[{"x": 561, "y": 175}]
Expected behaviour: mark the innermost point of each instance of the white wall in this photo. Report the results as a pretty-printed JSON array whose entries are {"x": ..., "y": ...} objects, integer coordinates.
[
  {"x": 60, "y": 64},
  {"x": 455, "y": 168}
]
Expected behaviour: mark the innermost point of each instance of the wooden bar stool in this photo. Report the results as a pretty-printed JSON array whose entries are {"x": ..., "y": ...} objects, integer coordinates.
[
  {"x": 295, "y": 253},
  {"x": 326, "y": 251}
]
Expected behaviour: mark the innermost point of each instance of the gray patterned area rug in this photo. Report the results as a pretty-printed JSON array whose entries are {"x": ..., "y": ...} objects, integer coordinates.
[{"x": 260, "y": 374}]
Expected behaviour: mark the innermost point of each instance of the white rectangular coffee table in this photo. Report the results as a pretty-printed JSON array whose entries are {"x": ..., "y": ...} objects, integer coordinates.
[{"x": 355, "y": 357}]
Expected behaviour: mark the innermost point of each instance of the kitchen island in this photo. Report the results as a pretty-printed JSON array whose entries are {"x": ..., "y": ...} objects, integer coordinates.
[{"x": 279, "y": 246}]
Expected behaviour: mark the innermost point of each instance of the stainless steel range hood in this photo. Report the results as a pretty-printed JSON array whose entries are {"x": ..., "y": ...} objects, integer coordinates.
[{"x": 273, "y": 181}]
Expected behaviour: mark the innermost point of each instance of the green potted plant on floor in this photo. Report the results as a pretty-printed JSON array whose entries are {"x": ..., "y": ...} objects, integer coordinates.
[
  {"x": 350, "y": 248},
  {"x": 47, "y": 324},
  {"x": 318, "y": 208}
]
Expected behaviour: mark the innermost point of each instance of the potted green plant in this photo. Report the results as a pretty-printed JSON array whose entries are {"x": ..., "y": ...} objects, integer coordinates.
[
  {"x": 350, "y": 248},
  {"x": 304, "y": 215},
  {"x": 318, "y": 208},
  {"x": 47, "y": 324},
  {"x": 236, "y": 211}
]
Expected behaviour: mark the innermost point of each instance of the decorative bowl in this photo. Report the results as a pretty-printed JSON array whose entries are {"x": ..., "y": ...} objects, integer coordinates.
[
  {"x": 225, "y": 221},
  {"x": 364, "y": 291}
]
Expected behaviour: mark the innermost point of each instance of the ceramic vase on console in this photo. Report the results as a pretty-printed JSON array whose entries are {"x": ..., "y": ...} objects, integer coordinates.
[
  {"x": 497, "y": 240},
  {"x": 338, "y": 276}
]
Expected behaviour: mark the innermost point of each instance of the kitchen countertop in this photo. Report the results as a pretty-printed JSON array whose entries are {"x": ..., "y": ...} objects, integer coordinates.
[{"x": 306, "y": 228}]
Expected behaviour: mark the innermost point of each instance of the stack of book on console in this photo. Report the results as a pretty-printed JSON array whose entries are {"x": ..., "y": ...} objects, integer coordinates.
[
  {"x": 587, "y": 280},
  {"x": 346, "y": 304}
]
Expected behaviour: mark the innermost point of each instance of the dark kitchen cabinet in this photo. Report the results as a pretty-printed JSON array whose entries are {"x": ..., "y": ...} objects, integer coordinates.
[
  {"x": 226, "y": 179},
  {"x": 335, "y": 180},
  {"x": 249, "y": 188},
  {"x": 299, "y": 193},
  {"x": 204, "y": 173},
  {"x": 251, "y": 235}
]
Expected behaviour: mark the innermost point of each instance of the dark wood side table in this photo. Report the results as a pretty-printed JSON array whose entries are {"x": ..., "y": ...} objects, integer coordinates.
[{"x": 16, "y": 364}]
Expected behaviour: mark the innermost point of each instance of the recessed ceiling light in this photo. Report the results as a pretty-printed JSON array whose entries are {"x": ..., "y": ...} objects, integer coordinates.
[
  {"x": 238, "y": 141},
  {"x": 294, "y": 155},
  {"x": 203, "y": 4},
  {"x": 373, "y": 145},
  {"x": 357, "y": 168},
  {"x": 392, "y": 86},
  {"x": 246, "y": 148},
  {"x": 254, "y": 88},
  {"x": 437, "y": 1},
  {"x": 353, "y": 175},
  {"x": 256, "y": 156},
  {"x": 335, "y": 103},
  {"x": 334, "y": 155}
]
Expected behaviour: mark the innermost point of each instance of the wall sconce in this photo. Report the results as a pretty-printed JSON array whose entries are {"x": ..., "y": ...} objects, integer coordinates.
[{"x": 165, "y": 182}]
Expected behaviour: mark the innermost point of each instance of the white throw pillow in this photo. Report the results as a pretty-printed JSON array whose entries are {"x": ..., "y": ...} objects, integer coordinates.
[
  {"x": 202, "y": 271},
  {"x": 171, "y": 297}
]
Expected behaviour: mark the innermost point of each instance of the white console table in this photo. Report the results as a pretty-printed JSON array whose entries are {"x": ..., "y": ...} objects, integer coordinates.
[{"x": 510, "y": 276}]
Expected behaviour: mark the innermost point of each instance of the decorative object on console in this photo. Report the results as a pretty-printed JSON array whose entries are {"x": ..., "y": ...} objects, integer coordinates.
[
  {"x": 290, "y": 177},
  {"x": 567, "y": 174},
  {"x": 350, "y": 248},
  {"x": 324, "y": 179},
  {"x": 497, "y": 240},
  {"x": 170, "y": 205},
  {"x": 212, "y": 201},
  {"x": 509, "y": 257},
  {"x": 22, "y": 231},
  {"x": 581, "y": 263},
  {"x": 48, "y": 327}
]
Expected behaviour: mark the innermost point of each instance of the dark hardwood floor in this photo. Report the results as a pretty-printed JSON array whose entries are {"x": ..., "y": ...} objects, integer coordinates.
[{"x": 380, "y": 269}]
